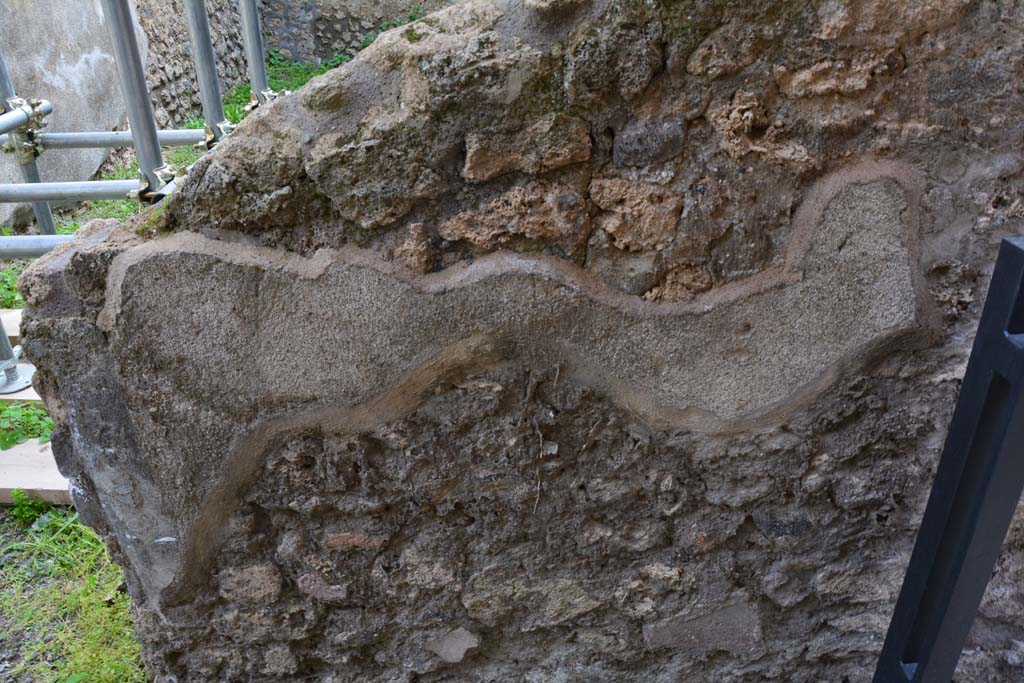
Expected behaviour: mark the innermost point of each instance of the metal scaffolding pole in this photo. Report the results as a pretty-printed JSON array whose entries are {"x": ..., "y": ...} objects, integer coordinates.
[
  {"x": 22, "y": 116},
  {"x": 77, "y": 191},
  {"x": 111, "y": 139},
  {"x": 205, "y": 59},
  {"x": 255, "y": 52},
  {"x": 26, "y": 157},
  {"x": 30, "y": 246},
  {"x": 155, "y": 173}
]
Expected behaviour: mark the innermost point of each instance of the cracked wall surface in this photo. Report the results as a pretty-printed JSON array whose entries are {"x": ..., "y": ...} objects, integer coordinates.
[{"x": 552, "y": 341}]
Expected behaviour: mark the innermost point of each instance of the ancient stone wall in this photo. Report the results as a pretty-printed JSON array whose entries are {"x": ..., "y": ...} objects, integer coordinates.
[
  {"x": 314, "y": 30},
  {"x": 553, "y": 340},
  {"x": 170, "y": 72}
]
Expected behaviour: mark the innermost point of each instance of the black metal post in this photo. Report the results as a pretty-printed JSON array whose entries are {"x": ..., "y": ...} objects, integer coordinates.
[{"x": 978, "y": 484}]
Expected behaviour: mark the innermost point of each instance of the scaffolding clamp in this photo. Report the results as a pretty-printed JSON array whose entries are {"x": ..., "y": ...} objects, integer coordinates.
[
  {"x": 265, "y": 96},
  {"x": 223, "y": 129},
  {"x": 12, "y": 362},
  {"x": 165, "y": 174},
  {"x": 24, "y": 143}
]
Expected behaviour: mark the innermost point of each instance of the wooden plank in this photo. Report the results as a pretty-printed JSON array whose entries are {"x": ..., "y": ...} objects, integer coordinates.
[
  {"x": 30, "y": 467},
  {"x": 28, "y": 394},
  {"x": 11, "y": 318}
]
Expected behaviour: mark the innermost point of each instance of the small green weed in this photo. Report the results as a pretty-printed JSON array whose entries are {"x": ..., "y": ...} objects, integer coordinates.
[
  {"x": 119, "y": 209},
  {"x": 415, "y": 14},
  {"x": 27, "y": 510},
  {"x": 183, "y": 157},
  {"x": 20, "y": 422},
  {"x": 10, "y": 297},
  {"x": 336, "y": 61},
  {"x": 236, "y": 101}
]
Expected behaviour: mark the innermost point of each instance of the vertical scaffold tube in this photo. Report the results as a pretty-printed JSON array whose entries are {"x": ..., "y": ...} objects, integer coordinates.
[
  {"x": 136, "y": 94},
  {"x": 255, "y": 54},
  {"x": 26, "y": 161},
  {"x": 206, "y": 67}
]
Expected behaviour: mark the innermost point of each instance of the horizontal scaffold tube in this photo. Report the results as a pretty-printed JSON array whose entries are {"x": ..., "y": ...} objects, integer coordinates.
[
  {"x": 110, "y": 139},
  {"x": 30, "y": 246},
  {"x": 16, "y": 118},
  {"x": 77, "y": 191}
]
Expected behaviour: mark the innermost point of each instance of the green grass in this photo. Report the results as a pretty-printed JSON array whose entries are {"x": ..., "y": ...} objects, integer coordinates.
[
  {"x": 282, "y": 74},
  {"x": 62, "y": 607},
  {"x": 20, "y": 422}
]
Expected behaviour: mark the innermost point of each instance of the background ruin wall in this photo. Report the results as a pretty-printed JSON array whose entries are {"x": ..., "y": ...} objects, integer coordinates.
[
  {"x": 553, "y": 340},
  {"x": 61, "y": 51},
  {"x": 314, "y": 30}
]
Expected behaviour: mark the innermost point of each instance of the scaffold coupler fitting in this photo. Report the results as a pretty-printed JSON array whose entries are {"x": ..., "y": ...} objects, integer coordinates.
[
  {"x": 149, "y": 194},
  {"x": 267, "y": 95},
  {"x": 224, "y": 129},
  {"x": 24, "y": 143}
]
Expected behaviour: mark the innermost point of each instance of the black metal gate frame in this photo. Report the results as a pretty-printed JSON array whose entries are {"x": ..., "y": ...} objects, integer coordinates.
[{"x": 977, "y": 486}]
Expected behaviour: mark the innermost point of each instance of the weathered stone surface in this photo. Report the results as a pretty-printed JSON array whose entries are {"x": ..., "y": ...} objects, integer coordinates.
[
  {"x": 552, "y": 142},
  {"x": 538, "y": 211},
  {"x": 660, "y": 420},
  {"x": 726, "y": 51},
  {"x": 258, "y": 583},
  {"x": 638, "y": 217},
  {"x": 633, "y": 273},
  {"x": 681, "y": 283},
  {"x": 453, "y": 646},
  {"x": 836, "y": 78},
  {"x": 648, "y": 142},
  {"x": 733, "y": 628},
  {"x": 552, "y": 5},
  {"x": 744, "y": 128}
]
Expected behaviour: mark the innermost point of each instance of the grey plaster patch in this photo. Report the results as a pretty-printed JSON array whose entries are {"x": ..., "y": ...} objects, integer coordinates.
[
  {"x": 453, "y": 646},
  {"x": 733, "y": 628},
  {"x": 853, "y": 288}
]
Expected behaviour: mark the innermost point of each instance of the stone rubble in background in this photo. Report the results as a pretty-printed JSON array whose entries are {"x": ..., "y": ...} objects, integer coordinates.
[
  {"x": 170, "y": 72},
  {"x": 314, "y": 30},
  {"x": 608, "y": 340}
]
